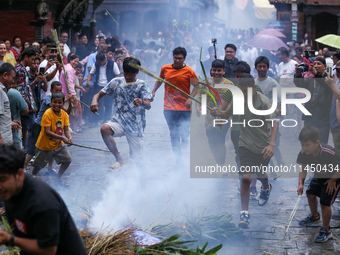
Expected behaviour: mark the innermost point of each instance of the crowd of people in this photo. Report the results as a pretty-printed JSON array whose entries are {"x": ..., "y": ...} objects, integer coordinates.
[{"x": 46, "y": 96}]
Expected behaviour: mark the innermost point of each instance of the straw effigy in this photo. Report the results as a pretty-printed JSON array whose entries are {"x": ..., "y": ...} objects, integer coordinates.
[{"x": 120, "y": 242}]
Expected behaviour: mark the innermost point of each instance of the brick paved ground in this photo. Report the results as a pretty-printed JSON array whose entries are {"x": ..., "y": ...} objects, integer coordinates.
[{"x": 89, "y": 179}]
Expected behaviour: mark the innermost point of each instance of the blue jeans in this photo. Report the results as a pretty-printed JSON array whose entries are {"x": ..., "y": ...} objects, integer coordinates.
[{"x": 179, "y": 126}]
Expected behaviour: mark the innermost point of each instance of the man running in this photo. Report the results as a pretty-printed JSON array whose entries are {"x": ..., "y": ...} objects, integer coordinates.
[
  {"x": 130, "y": 103},
  {"x": 256, "y": 145},
  {"x": 177, "y": 107}
]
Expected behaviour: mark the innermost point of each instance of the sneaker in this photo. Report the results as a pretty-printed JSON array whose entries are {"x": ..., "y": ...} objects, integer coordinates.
[
  {"x": 244, "y": 220},
  {"x": 265, "y": 193},
  {"x": 253, "y": 192},
  {"x": 324, "y": 236},
  {"x": 32, "y": 159},
  {"x": 309, "y": 220}
]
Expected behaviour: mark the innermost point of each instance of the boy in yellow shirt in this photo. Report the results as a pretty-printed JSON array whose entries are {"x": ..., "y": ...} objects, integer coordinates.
[{"x": 50, "y": 143}]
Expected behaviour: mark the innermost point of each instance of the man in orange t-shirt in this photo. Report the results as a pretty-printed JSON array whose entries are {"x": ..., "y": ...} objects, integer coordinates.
[{"x": 177, "y": 106}]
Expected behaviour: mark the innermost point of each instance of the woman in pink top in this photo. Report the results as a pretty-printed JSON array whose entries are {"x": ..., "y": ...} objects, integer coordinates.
[
  {"x": 76, "y": 111},
  {"x": 16, "y": 48}
]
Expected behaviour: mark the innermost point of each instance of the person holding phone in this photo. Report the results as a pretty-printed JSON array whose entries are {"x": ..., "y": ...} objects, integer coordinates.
[
  {"x": 37, "y": 80},
  {"x": 321, "y": 101},
  {"x": 50, "y": 67}
]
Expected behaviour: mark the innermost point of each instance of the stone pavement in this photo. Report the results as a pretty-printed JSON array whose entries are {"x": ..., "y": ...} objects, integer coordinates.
[{"x": 89, "y": 179}]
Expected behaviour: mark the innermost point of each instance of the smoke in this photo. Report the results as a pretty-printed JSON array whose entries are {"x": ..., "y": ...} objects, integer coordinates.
[{"x": 236, "y": 17}]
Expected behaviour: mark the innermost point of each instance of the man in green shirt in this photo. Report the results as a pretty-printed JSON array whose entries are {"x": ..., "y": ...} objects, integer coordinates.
[
  {"x": 18, "y": 106},
  {"x": 256, "y": 145}
]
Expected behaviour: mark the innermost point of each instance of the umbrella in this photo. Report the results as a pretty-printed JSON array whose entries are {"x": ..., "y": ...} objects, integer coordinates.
[
  {"x": 271, "y": 32},
  {"x": 330, "y": 40},
  {"x": 277, "y": 23},
  {"x": 158, "y": 43},
  {"x": 267, "y": 42}
]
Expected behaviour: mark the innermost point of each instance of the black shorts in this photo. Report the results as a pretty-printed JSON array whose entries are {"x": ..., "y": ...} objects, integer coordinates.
[
  {"x": 251, "y": 163},
  {"x": 318, "y": 188}
]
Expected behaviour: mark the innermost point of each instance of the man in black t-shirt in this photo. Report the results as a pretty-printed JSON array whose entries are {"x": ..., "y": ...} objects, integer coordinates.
[
  {"x": 42, "y": 223},
  {"x": 324, "y": 162}
]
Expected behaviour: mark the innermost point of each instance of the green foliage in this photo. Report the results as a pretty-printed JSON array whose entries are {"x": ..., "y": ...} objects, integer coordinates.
[{"x": 174, "y": 246}]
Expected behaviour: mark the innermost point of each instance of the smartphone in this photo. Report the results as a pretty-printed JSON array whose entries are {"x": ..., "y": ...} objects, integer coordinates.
[
  {"x": 51, "y": 57},
  {"x": 58, "y": 58},
  {"x": 42, "y": 70}
]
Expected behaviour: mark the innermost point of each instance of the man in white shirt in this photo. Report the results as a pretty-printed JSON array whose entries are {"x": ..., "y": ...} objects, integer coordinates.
[
  {"x": 51, "y": 68},
  {"x": 102, "y": 47},
  {"x": 286, "y": 73},
  {"x": 286, "y": 68},
  {"x": 151, "y": 58},
  {"x": 91, "y": 60},
  {"x": 64, "y": 38},
  {"x": 105, "y": 70}
]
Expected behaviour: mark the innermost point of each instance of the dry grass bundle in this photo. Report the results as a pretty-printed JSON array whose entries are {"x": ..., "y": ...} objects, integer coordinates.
[{"x": 120, "y": 242}]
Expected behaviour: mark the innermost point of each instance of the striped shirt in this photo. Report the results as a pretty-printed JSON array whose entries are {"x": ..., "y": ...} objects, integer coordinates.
[{"x": 324, "y": 165}]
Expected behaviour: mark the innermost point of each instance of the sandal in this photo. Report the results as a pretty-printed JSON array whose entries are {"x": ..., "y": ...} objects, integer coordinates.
[{"x": 116, "y": 166}]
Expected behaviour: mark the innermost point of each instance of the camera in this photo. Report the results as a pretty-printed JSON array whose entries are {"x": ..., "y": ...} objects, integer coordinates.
[
  {"x": 214, "y": 40},
  {"x": 302, "y": 68},
  {"x": 309, "y": 54}
]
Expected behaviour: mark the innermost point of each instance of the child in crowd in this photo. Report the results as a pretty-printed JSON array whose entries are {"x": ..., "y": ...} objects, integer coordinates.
[
  {"x": 79, "y": 91},
  {"x": 323, "y": 160},
  {"x": 32, "y": 138},
  {"x": 50, "y": 143}
]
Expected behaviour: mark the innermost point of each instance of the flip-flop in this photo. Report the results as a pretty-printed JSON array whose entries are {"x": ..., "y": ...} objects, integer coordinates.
[{"x": 116, "y": 166}]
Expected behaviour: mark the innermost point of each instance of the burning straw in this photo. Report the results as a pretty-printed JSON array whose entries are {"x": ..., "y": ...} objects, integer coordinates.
[{"x": 120, "y": 242}]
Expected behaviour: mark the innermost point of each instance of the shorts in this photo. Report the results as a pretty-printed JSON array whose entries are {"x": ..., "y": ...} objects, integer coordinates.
[
  {"x": 251, "y": 163},
  {"x": 136, "y": 143},
  {"x": 60, "y": 155},
  {"x": 318, "y": 188}
]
